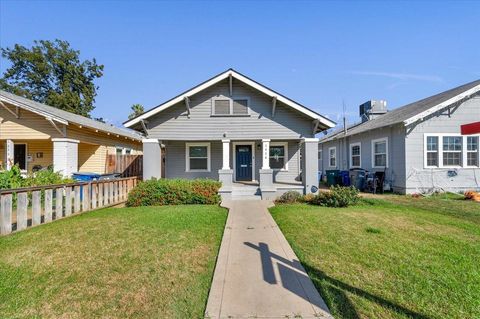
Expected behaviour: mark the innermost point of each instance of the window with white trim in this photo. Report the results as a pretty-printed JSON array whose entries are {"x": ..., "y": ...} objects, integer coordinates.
[
  {"x": 332, "y": 157},
  {"x": 432, "y": 151},
  {"x": 197, "y": 157},
  {"x": 472, "y": 151},
  {"x": 230, "y": 106},
  {"x": 452, "y": 150},
  {"x": 355, "y": 155},
  {"x": 380, "y": 153},
  {"x": 278, "y": 156}
]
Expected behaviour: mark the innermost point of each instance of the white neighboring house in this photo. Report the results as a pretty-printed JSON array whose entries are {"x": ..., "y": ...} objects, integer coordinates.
[{"x": 419, "y": 146}]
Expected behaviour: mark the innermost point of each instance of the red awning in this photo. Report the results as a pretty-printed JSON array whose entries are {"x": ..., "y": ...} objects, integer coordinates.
[{"x": 472, "y": 128}]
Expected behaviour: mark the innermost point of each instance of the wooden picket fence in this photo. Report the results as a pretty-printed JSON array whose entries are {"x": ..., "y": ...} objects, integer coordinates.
[
  {"x": 125, "y": 165},
  {"x": 53, "y": 202}
]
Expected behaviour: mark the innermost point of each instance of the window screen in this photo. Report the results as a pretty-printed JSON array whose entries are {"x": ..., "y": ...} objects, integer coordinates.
[
  {"x": 222, "y": 107},
  {"x": 240, "y": 106}
]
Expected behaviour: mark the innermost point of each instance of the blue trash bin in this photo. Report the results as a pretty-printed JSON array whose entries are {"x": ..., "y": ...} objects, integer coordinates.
[
  {"x": 85, "y": 177},
  {"x": 345, "y": 178}
]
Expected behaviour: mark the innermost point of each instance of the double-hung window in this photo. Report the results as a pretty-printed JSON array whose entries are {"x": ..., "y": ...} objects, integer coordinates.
[
  {"x": 472, "y": 151},
  {"x": 452, "y": 150},
  {"x": 278, "y": 156},
  {"x": 198, "y": 157},
  {"x": 355, "y": 155},
  {"x": 224, "y": 106},
  {"x": 432, "y": 151},
  {"x": 332, "y": 157},
  {"x": 380, "y": 153}
]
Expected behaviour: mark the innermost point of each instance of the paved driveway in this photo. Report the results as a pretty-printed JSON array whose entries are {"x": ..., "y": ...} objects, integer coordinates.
[{"x": 257, "y": 273}]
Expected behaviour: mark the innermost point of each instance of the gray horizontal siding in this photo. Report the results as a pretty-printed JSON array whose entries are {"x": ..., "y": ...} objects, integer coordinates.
[
  {"x": 395, "y": 172},
  {"x": 422, "y": 179},
  {"x": 174, "y": 124},
  {"x": 175, "y": 166}
]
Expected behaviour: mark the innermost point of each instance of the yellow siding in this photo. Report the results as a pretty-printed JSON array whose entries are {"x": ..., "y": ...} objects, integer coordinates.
[
  {"x": 92, "y": 158},
  {"x": 28, "y": 127},
  {"x": 101, "y": 138}
]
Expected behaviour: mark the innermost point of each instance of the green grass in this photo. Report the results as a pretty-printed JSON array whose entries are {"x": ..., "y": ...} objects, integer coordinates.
[
  {"x": 399, "y": 257},
  {"x": 146, "y": 262}
]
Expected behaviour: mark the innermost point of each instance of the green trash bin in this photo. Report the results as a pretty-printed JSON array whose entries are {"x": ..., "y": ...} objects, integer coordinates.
[{"x": 332, "y": 177}]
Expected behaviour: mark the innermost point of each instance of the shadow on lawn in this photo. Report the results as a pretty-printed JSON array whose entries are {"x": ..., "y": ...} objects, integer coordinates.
[{"x": 334, "y": 289}]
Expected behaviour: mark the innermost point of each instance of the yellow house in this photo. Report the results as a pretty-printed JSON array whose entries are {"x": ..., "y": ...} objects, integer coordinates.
[{"x": 35, "y": 135}]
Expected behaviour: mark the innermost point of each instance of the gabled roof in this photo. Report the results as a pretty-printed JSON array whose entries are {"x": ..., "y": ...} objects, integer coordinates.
[
  {"x": 323, "y": 121},
  {"x": 64, "y": 117},
  {"x": 413, "y": 112}
]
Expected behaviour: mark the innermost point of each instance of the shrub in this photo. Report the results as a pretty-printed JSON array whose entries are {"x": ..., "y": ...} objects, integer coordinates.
[
  {"x": 157, "y": 192},
  {"x": 289, "y": 197},
  {"x": 338, "y": 196},
  {"x": 14, "y": 179},
  {"x": 307, "y": 198}
]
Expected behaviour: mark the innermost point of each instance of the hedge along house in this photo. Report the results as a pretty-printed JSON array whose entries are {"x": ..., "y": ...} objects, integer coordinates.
[
  {"x": 35, "y": 135},
  {"x": 420, "y": 146},
  {"x": 234, "y": 129}
]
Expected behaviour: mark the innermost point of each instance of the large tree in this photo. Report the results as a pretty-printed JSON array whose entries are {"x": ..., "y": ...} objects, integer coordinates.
[
  {"x": 137, "y": 109},
  {"x": 51, "y": 72}
]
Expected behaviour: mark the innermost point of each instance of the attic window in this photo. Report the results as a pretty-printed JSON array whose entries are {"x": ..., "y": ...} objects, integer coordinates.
[{"x": 230, "y": 107}]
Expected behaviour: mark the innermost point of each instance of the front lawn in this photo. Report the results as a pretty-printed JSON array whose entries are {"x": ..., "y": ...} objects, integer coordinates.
[
  {"x": 395, "y": 258},
  {"x": 146, "y": 262}
]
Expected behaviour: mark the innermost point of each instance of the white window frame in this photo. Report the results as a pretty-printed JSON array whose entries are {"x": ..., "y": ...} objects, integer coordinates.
[
  {"x": 330, "y": 157},
  {"x": 440, "y": 150},
  {"x": 230, "y": 99},
  {"x": 285, "y": 159},
  {"x": 187, "y": 157},
  {"x": 383, "y": 139},
  {"x": 359, "y": 144},
  {"x": 426, "y": 151},
  {"x": 467, "y": 151}
]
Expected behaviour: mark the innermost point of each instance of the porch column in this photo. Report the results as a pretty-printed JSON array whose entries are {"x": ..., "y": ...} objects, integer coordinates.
[
  {"x": 65, "y": 156},
  {"x": 226, "y": 154},
  {"x": 9, "y": 149},
  {"x": 265, "y": 154},
  {"x": 267, "y": 188},
  {"x": 225, "y": 175},
  {"x": 152, "y": 158},
  {"x": 310, "y": 165}
]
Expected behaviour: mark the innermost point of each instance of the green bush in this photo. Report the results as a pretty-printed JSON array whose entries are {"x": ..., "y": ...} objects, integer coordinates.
[
  {"x": 338, "y": 196},
  {"x": 157, "y": 192},
  {"x": 14, "y": 179},
  {"x": 289, "y": 197}
]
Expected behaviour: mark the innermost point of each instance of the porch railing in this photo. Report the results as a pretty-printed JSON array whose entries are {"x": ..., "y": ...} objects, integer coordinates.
[{"x": 21, "y": 208}]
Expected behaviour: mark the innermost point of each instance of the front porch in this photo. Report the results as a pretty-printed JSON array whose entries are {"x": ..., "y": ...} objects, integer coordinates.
[{"x": 266, "y": 167}]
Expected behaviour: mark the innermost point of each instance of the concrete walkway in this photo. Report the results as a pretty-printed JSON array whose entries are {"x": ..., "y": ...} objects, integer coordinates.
[{"x": 257, "y": 273}]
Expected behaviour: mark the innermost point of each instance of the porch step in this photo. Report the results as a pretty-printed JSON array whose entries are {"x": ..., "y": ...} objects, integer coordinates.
[
  {"x": 247, "y": 197},
  {"x": 246, "y": 191}
]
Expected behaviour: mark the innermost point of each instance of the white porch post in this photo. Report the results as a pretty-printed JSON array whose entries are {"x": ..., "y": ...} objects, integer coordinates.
[
  {"x": 225, "y": 175},
  {"x": 265, "y": 154},
  {"x": 9, "y": 149},
  {"x": 226, "y": 154},
  {"x": 65, "y": 155},
  {"x": 152, "y": 158},
  {"x": 310, "y": 165}
]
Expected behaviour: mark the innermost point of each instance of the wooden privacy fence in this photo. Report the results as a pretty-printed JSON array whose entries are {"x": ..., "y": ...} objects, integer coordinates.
[
  {"x": 21, "y": 208},
  {"x": 126, "y": 165}
]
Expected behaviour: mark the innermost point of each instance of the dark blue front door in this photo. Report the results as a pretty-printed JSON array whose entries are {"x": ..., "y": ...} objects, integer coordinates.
[{"x": 243, "y": 164}]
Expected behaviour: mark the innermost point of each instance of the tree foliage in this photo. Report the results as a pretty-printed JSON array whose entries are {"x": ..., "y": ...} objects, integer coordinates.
[
  {"x": 137, "y": 109},
  {"x": 51, "y": 72}
]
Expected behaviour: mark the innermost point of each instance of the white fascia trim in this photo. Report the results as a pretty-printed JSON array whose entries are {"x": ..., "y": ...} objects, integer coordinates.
[
  {"x": 150, "y": 140},
  {"x": 33, "y": 110},
  {"x": 311, "y": 139},
  {"x": 65, "y": 140},
  {"x": 442, "y": 105},
  {"x": 245, "y": 80}
]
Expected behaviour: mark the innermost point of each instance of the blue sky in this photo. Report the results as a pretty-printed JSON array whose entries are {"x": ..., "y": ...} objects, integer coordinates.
[{"x": 318, "y": 53}]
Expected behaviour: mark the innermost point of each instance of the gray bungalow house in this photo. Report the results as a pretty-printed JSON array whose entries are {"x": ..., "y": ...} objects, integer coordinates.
[
  {"x": 419, "y": 146},
  {"x": 234, "y": 129}
]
